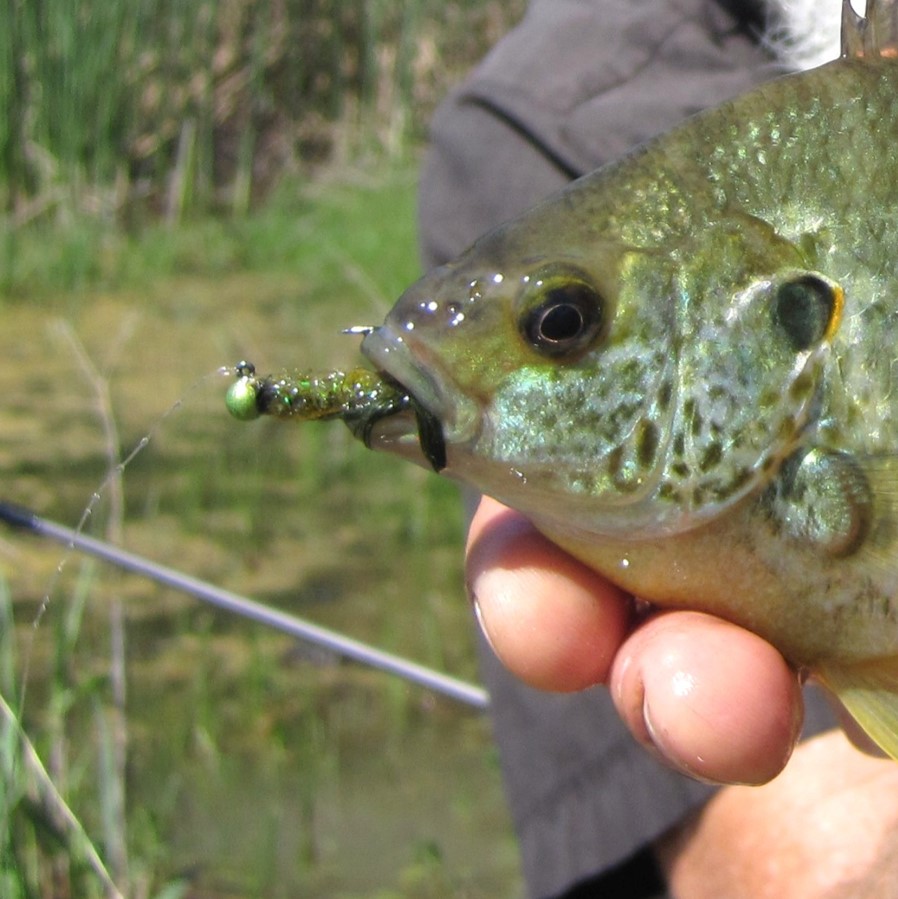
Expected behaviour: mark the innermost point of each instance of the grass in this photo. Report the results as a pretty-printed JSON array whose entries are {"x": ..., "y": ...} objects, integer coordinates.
[
  {"x": 119, "y": 109},
  {"x": 298, "y": 232},
  {"x": 254, "y": 767}
]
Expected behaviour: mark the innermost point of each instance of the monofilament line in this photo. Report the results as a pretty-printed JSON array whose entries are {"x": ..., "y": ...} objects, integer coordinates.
[{"x": 113, "y": 475}]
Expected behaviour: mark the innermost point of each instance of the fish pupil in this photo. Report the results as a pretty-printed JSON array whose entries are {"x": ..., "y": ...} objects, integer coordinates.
[
  {"x": 561, "y": 322},
  {"x": 565, "y": 319},
  {"x": 803, "y": 309}
]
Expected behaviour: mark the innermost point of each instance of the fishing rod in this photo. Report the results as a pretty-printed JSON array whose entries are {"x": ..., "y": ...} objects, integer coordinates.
[{"x": 461, "y": 691}]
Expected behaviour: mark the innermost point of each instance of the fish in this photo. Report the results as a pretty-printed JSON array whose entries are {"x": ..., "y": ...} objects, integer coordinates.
[{"x": 683, "y": 368}]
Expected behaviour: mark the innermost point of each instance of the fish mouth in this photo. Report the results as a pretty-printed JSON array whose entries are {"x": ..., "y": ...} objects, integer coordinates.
[
  {"x": 427, "y": 409},
  {"x": 391, "y": 356}
]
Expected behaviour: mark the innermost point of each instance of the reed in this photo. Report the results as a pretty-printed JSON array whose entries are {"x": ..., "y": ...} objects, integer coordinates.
[
  {"x": 116, "y": 106},
  {"x": 44, "y": 846}
]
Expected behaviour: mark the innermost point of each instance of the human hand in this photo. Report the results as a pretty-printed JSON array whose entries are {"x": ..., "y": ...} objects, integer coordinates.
[
  {"x": 712, "y": 700},
  {"x": 709, "y": 698}
]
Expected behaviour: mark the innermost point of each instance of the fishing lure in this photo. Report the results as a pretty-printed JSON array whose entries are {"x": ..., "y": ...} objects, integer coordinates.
[{"x": 360, "y": 397}]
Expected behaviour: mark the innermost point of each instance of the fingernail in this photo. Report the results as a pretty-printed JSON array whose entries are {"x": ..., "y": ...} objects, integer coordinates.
[
  {"x": 658, "y": 748},
  {"x": 478, "y": 614}
]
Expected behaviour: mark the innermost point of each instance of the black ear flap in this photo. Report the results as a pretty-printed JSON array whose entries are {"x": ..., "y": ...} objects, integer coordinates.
[{"x": 807, "y": 309}]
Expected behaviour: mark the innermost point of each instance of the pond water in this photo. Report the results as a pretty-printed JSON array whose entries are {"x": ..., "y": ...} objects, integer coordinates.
[{"x": 256, "y": 766}]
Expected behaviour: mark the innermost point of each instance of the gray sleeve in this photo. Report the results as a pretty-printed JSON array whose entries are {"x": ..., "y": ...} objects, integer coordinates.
[{"x": 576, "y": 84}]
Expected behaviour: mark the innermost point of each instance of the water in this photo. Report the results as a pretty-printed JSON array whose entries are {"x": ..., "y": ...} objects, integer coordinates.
[{"x": 256, "y": 767}]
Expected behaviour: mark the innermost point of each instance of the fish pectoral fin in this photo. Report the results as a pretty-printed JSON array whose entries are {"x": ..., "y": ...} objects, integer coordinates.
[
  {"x": 881, "y": 476},
  {"x": 824, "y": 498},
  {"x": 869, "y": 691}
]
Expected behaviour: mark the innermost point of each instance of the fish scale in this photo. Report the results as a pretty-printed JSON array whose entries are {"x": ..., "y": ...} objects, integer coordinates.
[{"x": 682, "y": 369}]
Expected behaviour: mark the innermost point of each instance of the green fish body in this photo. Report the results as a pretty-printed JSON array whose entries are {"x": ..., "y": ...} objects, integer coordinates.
[{"x": 684, "y": 368}]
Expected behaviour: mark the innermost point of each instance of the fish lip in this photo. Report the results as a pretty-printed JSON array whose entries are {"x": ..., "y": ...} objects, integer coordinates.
[{"x": 392, "y": 355}]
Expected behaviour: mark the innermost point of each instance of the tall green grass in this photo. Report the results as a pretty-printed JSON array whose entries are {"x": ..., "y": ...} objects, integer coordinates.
[
  {"x": 295, "y": 229},
  {"x": 127, "y": 108}
]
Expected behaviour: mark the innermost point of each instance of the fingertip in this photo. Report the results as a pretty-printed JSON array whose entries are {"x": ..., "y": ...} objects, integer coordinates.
[
  {"x": 552, "y": 621},
  {"x": 712, "y": 699}
]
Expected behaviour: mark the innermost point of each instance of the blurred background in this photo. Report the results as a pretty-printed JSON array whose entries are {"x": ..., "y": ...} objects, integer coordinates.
[{"x": 184, "y": 184}]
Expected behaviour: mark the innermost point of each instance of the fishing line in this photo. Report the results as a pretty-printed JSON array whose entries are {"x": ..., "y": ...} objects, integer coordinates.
[
  {"x": 113, "y": 475},
  {"x": 75, "y": 540},
  {"x": 35, "y": 770}
]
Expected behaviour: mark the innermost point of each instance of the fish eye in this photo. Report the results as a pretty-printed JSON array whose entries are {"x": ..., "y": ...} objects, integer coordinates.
[
  {"x": 562, "y": 313},
  {"x": 807, "y": 309}
]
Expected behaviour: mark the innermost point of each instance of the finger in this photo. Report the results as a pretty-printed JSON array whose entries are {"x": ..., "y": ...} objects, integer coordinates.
[
  {"x": 553, "y": 622},
  {"x": 714, "y": 700}
]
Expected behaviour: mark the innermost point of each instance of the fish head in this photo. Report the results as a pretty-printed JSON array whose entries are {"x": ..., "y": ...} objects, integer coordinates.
[{"x": 613, "y": 387}]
